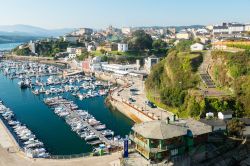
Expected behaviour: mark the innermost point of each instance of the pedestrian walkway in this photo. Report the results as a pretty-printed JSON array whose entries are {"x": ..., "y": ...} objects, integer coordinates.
[{"x": 5, "y": 140}]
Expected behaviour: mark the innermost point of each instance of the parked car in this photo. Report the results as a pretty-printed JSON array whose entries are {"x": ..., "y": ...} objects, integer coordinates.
[{"x": 150, "y": 104}]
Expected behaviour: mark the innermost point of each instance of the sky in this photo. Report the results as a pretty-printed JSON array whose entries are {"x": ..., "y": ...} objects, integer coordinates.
[{"x": 53, "y": 14}]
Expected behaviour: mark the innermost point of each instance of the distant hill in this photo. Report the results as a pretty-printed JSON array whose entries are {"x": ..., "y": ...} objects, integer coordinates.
[
  {"x": 23, "y": 33},
  {"x": 17, "y": 39},
  {"x": 24, "y": 30}
]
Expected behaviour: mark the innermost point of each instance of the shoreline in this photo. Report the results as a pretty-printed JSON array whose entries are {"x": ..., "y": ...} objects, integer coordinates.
[{"x": 45, "y": 60}]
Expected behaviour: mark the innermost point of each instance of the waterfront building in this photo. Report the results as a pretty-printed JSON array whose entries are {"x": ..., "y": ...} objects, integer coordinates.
[
  {"x": 122, "y": 47},
  {"x": 119, "y": 68},
  {"x": 150, "y": 62},
  {"x": 163, "y": 139},
  {"x": 92, "y": 65},
  {"x": 197, "y": 47}
]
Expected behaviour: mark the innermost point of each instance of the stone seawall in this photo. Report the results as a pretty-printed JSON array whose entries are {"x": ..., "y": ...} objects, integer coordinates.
[{"x": 128, "y": 111}]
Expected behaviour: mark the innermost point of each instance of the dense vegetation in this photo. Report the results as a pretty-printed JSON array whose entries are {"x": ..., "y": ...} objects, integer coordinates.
[
  {"x": 232, "y": 70},
  {"x": 48, "y": 48},
  {"x": 170, "y": 80},
  {"x": 140, "y": 41},
  {"x": 241, "y": 46},
  {"x": 172, "y": 83}
]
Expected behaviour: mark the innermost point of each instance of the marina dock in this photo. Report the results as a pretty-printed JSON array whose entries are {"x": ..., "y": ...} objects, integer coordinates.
[{"x": 72, "y": 113}]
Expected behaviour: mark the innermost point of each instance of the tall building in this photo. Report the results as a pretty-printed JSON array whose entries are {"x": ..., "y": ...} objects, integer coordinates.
[{"x": 32, "y": 47}]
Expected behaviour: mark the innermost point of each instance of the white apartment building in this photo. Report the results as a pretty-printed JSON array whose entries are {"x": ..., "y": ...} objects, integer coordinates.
[
  {"x": 122, "y": 47},
  {"x": 71, "y": 50},
  {"x": 236, "y": 28},
  {"x": 247, "y": 27},
  {"x": 119, "y": 68},
  {"x": 220, "y": 30},
  {"x": 197, "y": 47},
  {"x": 72, "y": 56},
  {"x": 32, "y": 47}
]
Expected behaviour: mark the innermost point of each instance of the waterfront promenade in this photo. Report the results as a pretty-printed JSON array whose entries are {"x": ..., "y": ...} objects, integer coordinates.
[{"x": 10, "y": 156}]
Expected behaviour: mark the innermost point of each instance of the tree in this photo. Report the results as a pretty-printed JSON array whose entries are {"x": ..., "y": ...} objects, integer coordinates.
[
  {"x": 140, "y": 41},
  {"x": 235, "y": 127},
  {"x": 158, "y": 44},
  {"x": 184, "y": 45},
  {"x": 103, "y": 51}
]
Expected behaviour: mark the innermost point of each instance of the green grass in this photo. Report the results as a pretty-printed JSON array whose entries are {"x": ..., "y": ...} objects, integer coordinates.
[
  {"x": 188, "y": 54},
  {"x": 97, "y": 53},
  {"x": 161, "y": 105}
]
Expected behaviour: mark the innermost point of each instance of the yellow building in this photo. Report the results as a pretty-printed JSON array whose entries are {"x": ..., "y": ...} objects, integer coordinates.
[
  {"x": 80, "y": 50},
  {"x": 183, "y": 35}
]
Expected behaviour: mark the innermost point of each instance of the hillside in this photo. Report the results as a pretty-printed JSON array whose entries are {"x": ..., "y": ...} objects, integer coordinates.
[
  {"x": 170, "y": 80},
  {"x": 232, "y": 71},
  {"x": 174, "y": 84}
]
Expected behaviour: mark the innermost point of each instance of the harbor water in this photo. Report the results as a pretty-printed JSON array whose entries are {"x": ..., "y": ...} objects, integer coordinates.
[
  {"x": 8, "y": 46},
  {"x": 57, "y": 136}
]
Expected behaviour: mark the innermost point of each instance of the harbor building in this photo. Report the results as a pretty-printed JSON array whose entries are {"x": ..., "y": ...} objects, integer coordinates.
[
  {"x": 119, "y": 68},
  {"x": 165, "y": 139}
]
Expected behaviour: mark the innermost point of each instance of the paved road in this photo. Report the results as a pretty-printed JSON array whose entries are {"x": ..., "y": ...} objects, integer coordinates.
[{"x": 140, "y": 98}]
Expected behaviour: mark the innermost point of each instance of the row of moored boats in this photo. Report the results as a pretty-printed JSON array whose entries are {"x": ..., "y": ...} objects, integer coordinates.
[{"x": 26, "y": 139}]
